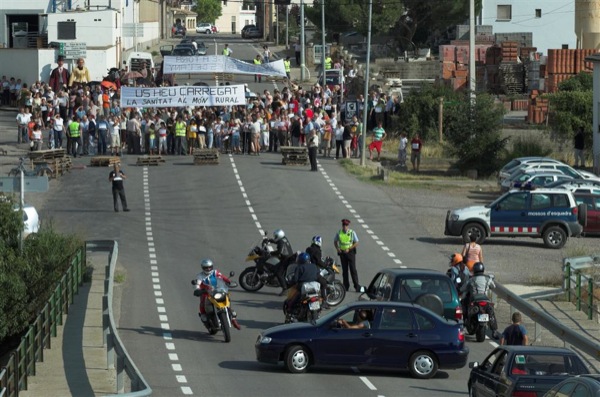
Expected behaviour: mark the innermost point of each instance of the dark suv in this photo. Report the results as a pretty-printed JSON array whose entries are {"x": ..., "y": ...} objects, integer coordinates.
[{"x": 428, "y": 288}]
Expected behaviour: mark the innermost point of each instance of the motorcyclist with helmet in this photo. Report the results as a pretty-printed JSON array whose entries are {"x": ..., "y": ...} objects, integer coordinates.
[
  {"x": 479, "y": 284},
  {"x": 458, "y": 271},
  {"x": 284, "y": 253},
  {"x": 305, "y": 272},
  {"x": 207, "y": 280},
  {"x": 316, "y": 257}
]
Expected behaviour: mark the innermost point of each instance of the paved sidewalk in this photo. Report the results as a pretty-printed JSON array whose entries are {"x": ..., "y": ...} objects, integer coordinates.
[{"x": 76, "y": 363}]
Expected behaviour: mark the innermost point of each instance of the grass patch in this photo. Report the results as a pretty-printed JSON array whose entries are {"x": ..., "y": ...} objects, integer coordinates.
[
  {"x": 576, "y": 247},
  {"x": 119, "y": 277},
  {"x": 546, "y": 280}
]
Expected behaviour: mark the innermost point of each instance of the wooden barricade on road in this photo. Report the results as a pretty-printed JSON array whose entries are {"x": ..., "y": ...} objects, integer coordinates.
[
  {"x": 150, "y": 160},
  {"x": 51, "y": 162},
  {"x": 104, "y": 161},
  {"x": 293, "y": 155},
  {"x": 206, "y": 156}
]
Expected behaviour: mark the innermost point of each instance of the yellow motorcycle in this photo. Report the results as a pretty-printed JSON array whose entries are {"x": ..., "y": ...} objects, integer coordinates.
[{"x": 218, "y": 305}]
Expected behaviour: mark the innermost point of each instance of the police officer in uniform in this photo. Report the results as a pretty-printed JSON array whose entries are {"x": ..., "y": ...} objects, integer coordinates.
[
  {"x": 328, "y": 62},
  {"x": 345, "y": 242},
  {"x": 180, "y": 130},
  {"x": 257, "y": 61},
  {"x": 288, "y": 68},
  {"x": 116, "y": 177},
  {"x": 74, "y": 136},
  {"x": 227, "y": 51}
]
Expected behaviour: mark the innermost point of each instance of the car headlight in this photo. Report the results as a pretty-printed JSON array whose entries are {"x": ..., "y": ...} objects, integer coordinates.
[
  {"x": 454, "y": 217},
  {"x": 264, "y": 340}
]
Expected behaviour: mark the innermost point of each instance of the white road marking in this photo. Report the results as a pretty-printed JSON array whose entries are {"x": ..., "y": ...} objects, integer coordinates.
[
  {"x": 167, "y": 336},
  {"x": 368, "y": 383},
  {"x": 170, "y": 346},
  {"x": 187, "y": 390},
  {"x": 176, "y": 367},
  {"x": 163, "y": 318},
  {"x": 173, "y": 357},
  {"x": 181, "y": 378}
]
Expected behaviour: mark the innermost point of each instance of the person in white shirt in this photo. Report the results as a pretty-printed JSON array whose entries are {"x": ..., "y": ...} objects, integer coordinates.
[
  {"x": 23, "y": 118},
  {"x": 313, "y": 145},
  {"x": 339, "y": 140},
  {"x": 402, "y": 150}
]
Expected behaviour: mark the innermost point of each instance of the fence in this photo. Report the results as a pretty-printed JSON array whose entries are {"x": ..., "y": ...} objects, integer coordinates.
[
  {"x": 575, "y": 279},
  {"x": 22, "y": 362},
  {"x": 115, "y": 350}
]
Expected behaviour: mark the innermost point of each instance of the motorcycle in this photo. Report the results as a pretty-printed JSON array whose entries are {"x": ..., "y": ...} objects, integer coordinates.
[
  {"x": 478, "y": 316},
  {"x": 218, "y": 306},
  {"x": 308, "y": 308},
  {"x": 255, "y": 277},
  {"x": 335, "y": 288}
]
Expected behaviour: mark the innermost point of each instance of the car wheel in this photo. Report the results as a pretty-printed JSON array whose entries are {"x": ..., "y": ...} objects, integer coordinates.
[
  {"x": 297, "y": 359},
  {"x": 555, "y": 237},
  {"x": 476, "y": 229},
  {"x": 208, "y": 31},
  {"x": 422, "y": 365},
  {"x": 582, "y": 214},
  {"x": 431, "y": 302}
]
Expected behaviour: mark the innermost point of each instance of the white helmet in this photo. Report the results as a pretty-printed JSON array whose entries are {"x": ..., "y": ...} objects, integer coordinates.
[
  {"x": 317, "y": 240},
  {"x": 207, "y": 266},
  {"x": 278, "y": 235}
]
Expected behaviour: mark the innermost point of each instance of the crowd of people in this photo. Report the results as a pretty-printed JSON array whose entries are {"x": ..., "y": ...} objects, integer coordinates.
[{"x": 88, "y": 120}]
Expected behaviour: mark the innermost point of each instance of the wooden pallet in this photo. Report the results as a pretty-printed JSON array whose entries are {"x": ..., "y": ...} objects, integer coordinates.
[
  {"x": 47, "y": 154},
  {"x": 206, "y": 156},
  {"x": 104, "y": 161},
  {"x": 53, "y": 168},
  {"x": 150, "y": 160},
  {"x": 292, "y": 155}
]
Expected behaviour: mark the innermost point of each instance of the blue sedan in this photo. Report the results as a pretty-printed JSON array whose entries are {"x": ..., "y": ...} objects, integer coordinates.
[{"x": 369, "y": 335}]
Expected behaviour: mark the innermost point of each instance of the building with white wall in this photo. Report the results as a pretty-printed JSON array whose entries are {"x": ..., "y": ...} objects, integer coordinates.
[
  {"x": 234, "y": 16},
  {"x": 552, "y": 22}
]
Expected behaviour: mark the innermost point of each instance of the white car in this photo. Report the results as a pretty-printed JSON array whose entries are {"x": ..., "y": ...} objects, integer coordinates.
[
  {"x": 522, "y": 162},
  {"x": 204, "y": 28},
  {"x": 31, "y": 220},
  {"x": 567, "y": 170},
  {"x": 520, "y": 177}
]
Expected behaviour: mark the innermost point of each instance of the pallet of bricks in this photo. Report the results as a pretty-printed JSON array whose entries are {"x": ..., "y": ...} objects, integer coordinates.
[
  {"x": 512, "y": 77},
  {"x": 149, "y": 160},
  {"x": 206, "y": 156},
  {"x": 52, "y": 162},
  {"x": 455, "y": 63},
  {"x": 104, "y": 161},
  {"x": 538, "y": 108},
  {"x": 293, "y": 155},
  {"x": 562, "y": 64}
]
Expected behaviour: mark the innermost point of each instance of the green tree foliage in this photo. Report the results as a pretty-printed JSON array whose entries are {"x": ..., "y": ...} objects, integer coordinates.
[
  {"x": 348, "y": 15},
  {"x": 208, "y": 10},
  {"x": 473, "y": 134},
  {"x": 571, "y": 107},
  {"x": 27, "y": 280}
]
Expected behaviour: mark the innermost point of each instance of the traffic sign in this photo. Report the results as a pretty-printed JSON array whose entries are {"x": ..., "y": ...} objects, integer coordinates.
[
  {"x": 351, "y": 109},
  {"x": 9, "y": 184},
  {"x": 72, "y": 50}
]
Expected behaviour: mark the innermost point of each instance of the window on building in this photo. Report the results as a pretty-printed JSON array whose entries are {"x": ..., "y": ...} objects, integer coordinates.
[
  {"x": 538, "y": 12},
  {"x": 504, "y": 12},
  {"x": 248, "y": 5},
  {"x": 225, "y": 3},
  {"x": 66, "y": 30}
]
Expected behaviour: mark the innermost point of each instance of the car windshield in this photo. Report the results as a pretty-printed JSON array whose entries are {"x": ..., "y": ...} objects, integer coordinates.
[
  {"x": 511, "y": 164},
  {"x": 547, "y": 365},
  {"x": 493, "y": 203},
  {"x": 332, "y": 315},
  {"x": 409, "y": 289}
]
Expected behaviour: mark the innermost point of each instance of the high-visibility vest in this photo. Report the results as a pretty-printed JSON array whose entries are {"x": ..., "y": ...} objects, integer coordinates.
[
  {"x": 288, "y": 67},
  {"x": 328, "y": 63},
  {"x": 180, "y": 129},
  {"x": 226, "y": 52},
  {"x": 74, "y": 129},
  {"x": 346, "y": 239},
  {"x": 257, "y": 61}
]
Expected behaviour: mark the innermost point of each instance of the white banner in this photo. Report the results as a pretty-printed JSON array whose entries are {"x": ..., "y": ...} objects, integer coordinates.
[
  {"x": 182, "y": 96},
  {"x": 220, "y": 64}
]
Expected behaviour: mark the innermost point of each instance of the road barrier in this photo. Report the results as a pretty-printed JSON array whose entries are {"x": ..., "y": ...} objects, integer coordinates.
[
  {"x": 574, "y": 279},
  {"x": 22, "y": 362},
  {"x": 115, "y": 350}
]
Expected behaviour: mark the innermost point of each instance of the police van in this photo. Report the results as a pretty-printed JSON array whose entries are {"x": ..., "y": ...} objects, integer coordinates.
[{"x": 550, "y": 214}]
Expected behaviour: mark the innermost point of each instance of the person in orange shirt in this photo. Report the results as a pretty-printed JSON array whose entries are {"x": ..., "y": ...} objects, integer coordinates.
[{"x": 106, "y": 103}]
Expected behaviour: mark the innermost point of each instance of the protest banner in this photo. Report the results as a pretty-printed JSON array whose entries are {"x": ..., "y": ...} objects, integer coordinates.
[
  {"x": 182, "y": 96},
  {"x": 220, "y": 64}
]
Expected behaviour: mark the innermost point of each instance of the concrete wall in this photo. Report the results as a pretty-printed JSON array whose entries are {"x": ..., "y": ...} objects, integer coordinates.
[
  {"x": 149, "y": 11},
  {"x": 553, "y": 29},
  {"x": 95, "y": 28},
  {"x": 233, "y": 9},
  {"x": 31, "y": 64}
]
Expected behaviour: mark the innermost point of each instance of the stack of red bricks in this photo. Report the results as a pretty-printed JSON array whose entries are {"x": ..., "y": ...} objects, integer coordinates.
[
  {"x": 510, "y": 51},
  {"x": 538, "y": 108},
  {"x": 565, "y": 63},
  {"x": 455, "y": 63}
]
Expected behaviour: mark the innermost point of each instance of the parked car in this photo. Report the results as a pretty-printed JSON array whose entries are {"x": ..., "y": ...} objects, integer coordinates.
[
  {"x": 592, "y": 202},
  {"x": 575, "y": 184},
  {"x": 204, "y": 27},
  {"x": 550, "y": 214},
  {"x": 521, "y": 177},
  {"x": 179, "y": 31},
  {"x": 566, "y": 169},
  {"x": 523, "y": 371},
  {"x": 201, "y": 48},
  {"x": 512, "y": 165},
  {"x": 183, "y": 51},
  {"x": 333, "y": 77},
  {"x": 252, "y": 33},
  {"x": 399, "y": 336},
  {"x": 417, "y": 286},
  {"x": 246, "y": 27},
  {"x": 587, "y": 385}
]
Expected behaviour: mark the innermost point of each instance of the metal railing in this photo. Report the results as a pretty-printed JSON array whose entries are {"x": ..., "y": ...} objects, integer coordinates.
[
  {"x": 22, "y": 362},
  {"x": 574, "y": 279},
  {"x": 115, "y": 350}
]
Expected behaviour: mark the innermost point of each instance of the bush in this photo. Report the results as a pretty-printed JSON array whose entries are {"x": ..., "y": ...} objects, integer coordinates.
[
  {"x": 27, "y": 279},
  {"x": 524, "y": 147}
]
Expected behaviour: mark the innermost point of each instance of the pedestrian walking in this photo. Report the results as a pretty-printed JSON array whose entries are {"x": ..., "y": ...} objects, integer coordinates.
[
  {"x": 415, "y": 152},
  {"x": 345, "y": 242},
  {"x": 378, "y": 137},
  {"x": 297, "y": 51},
  {"x": 515, "y": 334},
  {"x": 257, "y": 62},
  {"x": 402, "y": 150},
  {"x": 579, "y": 144},
  {"x": 116, "y": 177},
  {"x": 313, "y": 145},
  {"x": 227, "y": 51}
]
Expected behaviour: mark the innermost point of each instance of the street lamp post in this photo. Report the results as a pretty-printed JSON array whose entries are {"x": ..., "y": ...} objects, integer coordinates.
[
  {"x": 323, "y": 42},
  {"x": 302, "y": 44},
  {"x": 363, "y": 159}
]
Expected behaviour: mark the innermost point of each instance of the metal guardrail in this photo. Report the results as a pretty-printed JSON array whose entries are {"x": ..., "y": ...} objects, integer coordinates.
[
  {"x": 572, "y": 268},
  {"x": 115, "y": 350},
  {"x": 22, "y": 362},
  {"x": 567, "y": 335}
]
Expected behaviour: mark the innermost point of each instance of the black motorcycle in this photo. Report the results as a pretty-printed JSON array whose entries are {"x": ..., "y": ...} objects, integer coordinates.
[
  {"x": 335, "y": 288},
  {"x": 479, "y": 315},
  {"x": 255, "y": 277},
  {"x": 308, "y": 307}
]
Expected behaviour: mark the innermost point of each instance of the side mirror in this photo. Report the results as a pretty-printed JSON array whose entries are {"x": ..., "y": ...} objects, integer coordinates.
[
  {"x": 474, "y": 364},
  {"x": 194, "y": 282}
]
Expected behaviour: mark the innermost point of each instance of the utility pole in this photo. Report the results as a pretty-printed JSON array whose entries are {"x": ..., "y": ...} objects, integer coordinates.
[
  {"x": 323, "y": 42},
  {"x": 287, "y": 27},
  {"x": 363, "y": 159},
  {"x": 472, "y": 76},
  {"x": 277, "y": 24},
  {"x": 302, "y": 44},
  {"x": 441, "y": 118}
]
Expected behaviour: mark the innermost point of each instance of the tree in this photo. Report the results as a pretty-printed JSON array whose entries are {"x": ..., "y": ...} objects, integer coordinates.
[
  {"x": 473, "y": 133},
  {"x": 571, "y": 107},
  {"x": 208, "y": 10}
]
